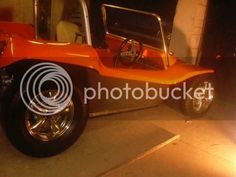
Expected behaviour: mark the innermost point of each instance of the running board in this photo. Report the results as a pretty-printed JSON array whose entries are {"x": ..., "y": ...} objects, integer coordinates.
[{"x": 110, "y": 112}]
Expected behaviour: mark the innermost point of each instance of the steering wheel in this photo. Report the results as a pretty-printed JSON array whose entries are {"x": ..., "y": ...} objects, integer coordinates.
[{"x": 129, "y": 52}]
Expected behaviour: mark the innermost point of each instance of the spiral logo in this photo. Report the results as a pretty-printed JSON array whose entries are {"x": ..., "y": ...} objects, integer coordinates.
[{"x": 46, "y": 89}]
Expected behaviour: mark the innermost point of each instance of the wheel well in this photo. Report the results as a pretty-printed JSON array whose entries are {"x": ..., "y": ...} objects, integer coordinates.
[{"x": 78, "y": 74}]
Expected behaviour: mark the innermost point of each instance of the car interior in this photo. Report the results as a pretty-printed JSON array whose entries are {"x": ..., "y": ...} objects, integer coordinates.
[
  {"x": 70, "y": 26},
  {"x": 141, "y": 50},
  {"x": 135, "y": 43}
]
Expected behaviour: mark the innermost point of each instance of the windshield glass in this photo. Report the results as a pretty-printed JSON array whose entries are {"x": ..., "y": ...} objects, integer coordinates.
[{"x": 143, "y": 27}]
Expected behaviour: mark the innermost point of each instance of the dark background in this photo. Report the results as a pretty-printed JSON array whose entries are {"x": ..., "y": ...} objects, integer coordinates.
[
  {"x": 219, "y": 46},
  {"x": 164, "y": 8}
]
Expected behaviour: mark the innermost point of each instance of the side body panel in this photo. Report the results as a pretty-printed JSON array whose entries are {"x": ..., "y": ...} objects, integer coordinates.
[{"x": 111, "y": 95}]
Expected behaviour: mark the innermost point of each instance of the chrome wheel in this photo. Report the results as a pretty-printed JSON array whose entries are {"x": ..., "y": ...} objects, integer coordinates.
[
  {"x": 48, "y": 128},
  {"x": 202, "y": 104}
]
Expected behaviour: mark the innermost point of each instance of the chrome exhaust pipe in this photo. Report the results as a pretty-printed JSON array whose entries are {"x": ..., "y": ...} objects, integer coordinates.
[{"x": 36, "y": 4}]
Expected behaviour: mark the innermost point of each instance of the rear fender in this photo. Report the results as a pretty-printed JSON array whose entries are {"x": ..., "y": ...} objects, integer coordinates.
[
  {"x": 23, "y": 30},
  {"x": 19, "y": 49},
  {"x": 78, "y": 74}
]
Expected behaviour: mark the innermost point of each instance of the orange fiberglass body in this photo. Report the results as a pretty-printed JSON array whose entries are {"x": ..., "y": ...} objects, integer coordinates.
[
  {"x": 22, "y": 46},
  {"x": 127, "y": 56}
]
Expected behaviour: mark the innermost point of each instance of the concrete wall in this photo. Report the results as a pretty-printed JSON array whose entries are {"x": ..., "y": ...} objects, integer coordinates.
[
  {"x": 16, "y": 10},
  {"x": 188, "y": 28}
]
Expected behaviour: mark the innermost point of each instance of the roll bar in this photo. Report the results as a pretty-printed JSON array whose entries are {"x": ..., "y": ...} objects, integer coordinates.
[{"x": 35, "y": 11}]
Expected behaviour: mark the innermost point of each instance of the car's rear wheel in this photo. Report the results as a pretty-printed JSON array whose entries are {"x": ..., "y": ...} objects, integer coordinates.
[
  {"x": 197, "y": 106},
  {"x": 44, "y": 135}
]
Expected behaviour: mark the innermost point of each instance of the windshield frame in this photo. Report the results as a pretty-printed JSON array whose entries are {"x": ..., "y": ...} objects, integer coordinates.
[{"x": 157, "y": 17}]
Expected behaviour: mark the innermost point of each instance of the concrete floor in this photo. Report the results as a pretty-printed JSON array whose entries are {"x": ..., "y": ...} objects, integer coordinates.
[{"x": 207, "y": 147}]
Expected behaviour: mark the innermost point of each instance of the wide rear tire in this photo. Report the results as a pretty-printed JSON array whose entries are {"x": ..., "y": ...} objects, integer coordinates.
[{"x": 19, "y": 125}]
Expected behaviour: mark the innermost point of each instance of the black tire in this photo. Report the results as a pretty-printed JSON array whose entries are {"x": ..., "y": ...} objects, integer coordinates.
[
  {"x": 188, "y": 103},
  {"x": 20, "y": 137}
]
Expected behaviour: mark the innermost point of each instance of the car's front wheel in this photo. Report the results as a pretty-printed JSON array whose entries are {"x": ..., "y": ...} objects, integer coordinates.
[{"x": 201, "y": 96}]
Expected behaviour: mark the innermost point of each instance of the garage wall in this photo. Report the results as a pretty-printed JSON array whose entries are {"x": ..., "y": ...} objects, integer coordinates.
[
  {"x": 16, "y": 10},
  {"x": 188, "y": 29}
]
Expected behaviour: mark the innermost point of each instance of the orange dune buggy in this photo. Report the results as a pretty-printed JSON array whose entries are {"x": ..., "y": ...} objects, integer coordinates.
[{"x": 134, "y": 51}]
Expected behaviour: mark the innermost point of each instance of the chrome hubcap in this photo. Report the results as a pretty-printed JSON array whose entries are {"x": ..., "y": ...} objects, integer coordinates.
[
  {"x": 202, "y": 104},
  {"x": 48, "y": 128}
]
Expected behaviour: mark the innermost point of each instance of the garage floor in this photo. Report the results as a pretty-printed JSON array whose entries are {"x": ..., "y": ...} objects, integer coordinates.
[{"x": 143, "y": 143}]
